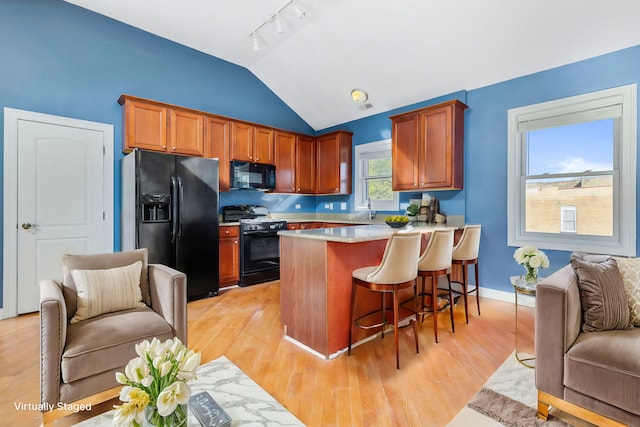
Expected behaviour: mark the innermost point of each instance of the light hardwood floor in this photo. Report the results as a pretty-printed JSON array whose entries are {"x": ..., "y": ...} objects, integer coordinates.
[{"x": 362, "y": 390}]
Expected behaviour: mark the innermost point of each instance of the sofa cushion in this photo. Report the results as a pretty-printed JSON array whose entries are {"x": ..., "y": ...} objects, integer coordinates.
[
  {"x": 106, "y": 291},
  {"x": 630, "y": 270},
  {"x": 107, "y": 342},
  {"x": 605, "y": 365},
  {"x": 602, "y": 295}
]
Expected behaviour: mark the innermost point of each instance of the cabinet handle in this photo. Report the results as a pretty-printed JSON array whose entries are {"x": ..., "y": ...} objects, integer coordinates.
[
  {"x": 250, "y": 157},
  {"x": 235, "y": 242},
  {"x": 257, "y": 159},
  {"x": 226, "y": 232}
]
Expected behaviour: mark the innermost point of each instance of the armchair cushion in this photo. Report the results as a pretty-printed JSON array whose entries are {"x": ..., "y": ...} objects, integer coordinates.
[
  {"x": 108, "y": 341},
  {"x": 106, "y": 291},
  {"x": 98, "y": 262},
  {"x": 604, "y": 300}
]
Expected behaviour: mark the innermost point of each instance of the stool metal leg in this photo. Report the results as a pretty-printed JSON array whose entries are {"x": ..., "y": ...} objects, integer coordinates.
[{"x": 353, "y": 303}]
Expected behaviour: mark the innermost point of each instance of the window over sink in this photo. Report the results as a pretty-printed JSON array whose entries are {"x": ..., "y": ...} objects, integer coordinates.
[{"x": 373, "y": 177}]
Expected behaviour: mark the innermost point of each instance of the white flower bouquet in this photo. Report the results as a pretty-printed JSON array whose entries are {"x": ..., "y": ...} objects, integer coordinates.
[
  {"x": 155, "y": 384},
  {"x": 532, "y": 259}
]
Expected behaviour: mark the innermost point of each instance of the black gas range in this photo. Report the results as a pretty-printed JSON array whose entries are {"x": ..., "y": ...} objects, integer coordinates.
[{"x": 259, "y": 242}]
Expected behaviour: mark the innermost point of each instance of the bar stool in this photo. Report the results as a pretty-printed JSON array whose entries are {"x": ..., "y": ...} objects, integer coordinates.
[
  {"x": 465, "y": 254},
  {"x": 397, "y": 271},
  {"x": 435, "y": 262}
]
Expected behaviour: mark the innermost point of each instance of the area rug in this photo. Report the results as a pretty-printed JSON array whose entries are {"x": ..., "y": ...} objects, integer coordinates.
[{"x": 508, "y": 398}]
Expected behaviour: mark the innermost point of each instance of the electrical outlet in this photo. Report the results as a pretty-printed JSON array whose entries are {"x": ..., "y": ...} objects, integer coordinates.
[
  {"x": 326, "y": 205},
  {"x": 343, "y": 206},
  {"x": 298, "y": 206},
  {"x": 330, "y": 206}
]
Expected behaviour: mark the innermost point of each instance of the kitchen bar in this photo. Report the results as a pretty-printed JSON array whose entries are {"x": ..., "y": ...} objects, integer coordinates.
[{"x": 315, "y": 281}]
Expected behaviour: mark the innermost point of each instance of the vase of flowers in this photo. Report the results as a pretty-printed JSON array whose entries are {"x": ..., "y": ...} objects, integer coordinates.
[
  {"x": 155, "y": 391},
  {"x": 531, "y": 259}
]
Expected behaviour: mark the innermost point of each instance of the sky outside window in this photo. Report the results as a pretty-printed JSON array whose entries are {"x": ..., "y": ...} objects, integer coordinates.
[{"x": 571, "y": 149}]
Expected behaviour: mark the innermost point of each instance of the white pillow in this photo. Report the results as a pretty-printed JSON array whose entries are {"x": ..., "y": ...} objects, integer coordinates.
[
  {"x": 630, "y": 270},
  {"x": 106, "y": 291}
]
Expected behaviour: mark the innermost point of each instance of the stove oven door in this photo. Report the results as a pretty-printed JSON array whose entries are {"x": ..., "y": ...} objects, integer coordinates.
[{"x": 260, "y": 260}]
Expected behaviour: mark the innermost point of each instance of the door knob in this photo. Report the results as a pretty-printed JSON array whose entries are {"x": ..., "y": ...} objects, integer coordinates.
[{"x": 27, "y": 226}]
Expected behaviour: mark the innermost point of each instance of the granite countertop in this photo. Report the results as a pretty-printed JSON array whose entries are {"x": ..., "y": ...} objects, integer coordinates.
[{"x": 361, "y": 233}]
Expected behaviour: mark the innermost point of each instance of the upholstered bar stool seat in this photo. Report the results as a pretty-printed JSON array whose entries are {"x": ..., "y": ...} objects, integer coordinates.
[
  {"x": 396, "y": 271},
  {"x": 465, "y": 254},
  {"x": 434, "y": 263}
]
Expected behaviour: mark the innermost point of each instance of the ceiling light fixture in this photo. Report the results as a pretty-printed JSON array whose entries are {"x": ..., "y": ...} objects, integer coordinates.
[
  {"x": 301, "y": 13},
  {"x": 275, "y": 17},
  {"x": 359, "y": 96}
]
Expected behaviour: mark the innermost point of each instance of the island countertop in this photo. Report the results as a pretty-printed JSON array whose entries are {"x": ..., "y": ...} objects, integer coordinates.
[{"x": 362, "y": 233}]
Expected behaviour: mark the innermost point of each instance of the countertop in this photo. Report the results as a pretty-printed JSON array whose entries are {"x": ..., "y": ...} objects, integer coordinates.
[{"x": 361, "y": 233}]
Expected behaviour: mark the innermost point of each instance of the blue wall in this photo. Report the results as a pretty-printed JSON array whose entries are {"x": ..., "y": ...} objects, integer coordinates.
[{"x": 63, "y": 60}]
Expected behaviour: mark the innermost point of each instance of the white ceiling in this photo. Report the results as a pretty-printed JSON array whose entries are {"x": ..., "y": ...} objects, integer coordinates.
[{"x": 399, "y": 51}]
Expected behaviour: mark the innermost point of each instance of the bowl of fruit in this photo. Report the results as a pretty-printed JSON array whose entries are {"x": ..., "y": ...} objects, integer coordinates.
[{"x": 396, "y": 221}]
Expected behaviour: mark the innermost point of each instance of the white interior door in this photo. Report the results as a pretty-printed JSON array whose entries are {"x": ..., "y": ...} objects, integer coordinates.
[{"x": 61, "y": 200}]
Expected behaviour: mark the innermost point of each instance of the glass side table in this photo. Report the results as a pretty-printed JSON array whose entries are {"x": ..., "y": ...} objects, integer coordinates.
[{"x": 521, "y": 287}]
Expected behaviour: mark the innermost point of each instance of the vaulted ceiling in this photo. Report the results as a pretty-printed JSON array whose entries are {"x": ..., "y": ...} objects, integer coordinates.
[{"x": 399, "y": 51}]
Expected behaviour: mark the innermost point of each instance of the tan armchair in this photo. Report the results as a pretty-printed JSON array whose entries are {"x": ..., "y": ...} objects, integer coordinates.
[{"x": 80, "y": 359}]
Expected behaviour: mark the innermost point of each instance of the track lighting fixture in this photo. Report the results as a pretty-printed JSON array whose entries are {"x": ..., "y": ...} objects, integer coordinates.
[
  {"x": 301, "y": 13},
  {"x": 275, "y": 18}
]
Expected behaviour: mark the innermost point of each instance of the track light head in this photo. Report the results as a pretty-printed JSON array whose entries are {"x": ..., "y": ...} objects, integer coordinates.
[{"x": 301, "y": 13}]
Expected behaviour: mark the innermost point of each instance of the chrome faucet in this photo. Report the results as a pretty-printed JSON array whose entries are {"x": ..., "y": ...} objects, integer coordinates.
[{"x": 372, "y": 213}]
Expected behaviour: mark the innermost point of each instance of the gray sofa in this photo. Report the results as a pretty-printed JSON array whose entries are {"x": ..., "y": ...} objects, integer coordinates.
[{"x": 592, "y": 375}]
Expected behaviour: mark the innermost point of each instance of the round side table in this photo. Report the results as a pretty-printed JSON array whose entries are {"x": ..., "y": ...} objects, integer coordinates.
[{"x": 521, "y": 287}]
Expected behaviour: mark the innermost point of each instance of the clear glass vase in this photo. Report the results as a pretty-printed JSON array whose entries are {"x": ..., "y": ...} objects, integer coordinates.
[
  {"x": 177, "y": 418},
  {"x": 531, "y": 277}
]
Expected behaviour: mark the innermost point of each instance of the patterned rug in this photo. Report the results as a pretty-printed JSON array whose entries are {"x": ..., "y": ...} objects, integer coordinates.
[{"x": 509, "y": 398}]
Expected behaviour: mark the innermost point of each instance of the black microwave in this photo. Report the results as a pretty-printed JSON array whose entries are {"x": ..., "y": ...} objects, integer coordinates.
[{"x": 252, "y": 176}]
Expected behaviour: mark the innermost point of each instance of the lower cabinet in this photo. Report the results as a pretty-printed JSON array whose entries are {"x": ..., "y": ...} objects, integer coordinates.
[{"x": 229, "y": 255}]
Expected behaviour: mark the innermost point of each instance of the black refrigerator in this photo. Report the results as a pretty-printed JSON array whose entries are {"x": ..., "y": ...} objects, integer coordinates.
[{"x": 170, "y": 207}]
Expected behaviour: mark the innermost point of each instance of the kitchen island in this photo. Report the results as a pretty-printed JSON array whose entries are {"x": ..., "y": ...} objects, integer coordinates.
[{"x": 315, "y": 281}]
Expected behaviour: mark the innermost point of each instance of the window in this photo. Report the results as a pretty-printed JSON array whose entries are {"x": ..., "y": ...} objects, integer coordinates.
[
  {"x": 373, "y": 177},
  {"x": 567, "y": 219},
  {"x": 572, "y": 173}
]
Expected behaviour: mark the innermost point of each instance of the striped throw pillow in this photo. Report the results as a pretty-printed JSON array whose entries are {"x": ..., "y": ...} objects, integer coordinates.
[{"x": 106, "y": 291}]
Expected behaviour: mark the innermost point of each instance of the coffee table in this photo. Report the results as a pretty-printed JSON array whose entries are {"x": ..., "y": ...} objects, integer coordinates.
[{"x": 240, "y": 397}]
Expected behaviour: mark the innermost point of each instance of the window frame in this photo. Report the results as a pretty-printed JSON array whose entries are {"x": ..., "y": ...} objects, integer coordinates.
[
  {"x": 362, "y": 151},
  {"x": 565, "y": 111},
  {"x": 563, "y": 210}
]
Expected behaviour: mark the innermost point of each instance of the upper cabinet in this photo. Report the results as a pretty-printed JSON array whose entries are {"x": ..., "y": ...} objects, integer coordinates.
[
  {"x": 304, "y": 164},
  {"x": 216, "y": 137},
  {"x": 295, "y": 163},
  {"x": 428, "y": 148},
  {"x": 251, "y": 143},
  {"x": 158, "y": 127},
  {"x": 333, "y": 163}
]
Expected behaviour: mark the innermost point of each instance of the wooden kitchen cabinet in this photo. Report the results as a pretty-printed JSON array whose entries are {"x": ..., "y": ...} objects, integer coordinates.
[
  {"x": 333, "y": 163},
  {"x": 428, "y": 148},
  {"x": 285, "y": 160},
  {"x": 295, "y": 163},
  {"x": 229, "y": 255},
  {"x": 186, "y": 135},
  {"x": 216, "y": 137},
  {"x": 305, "y": 166},
  {"x": 251, "y": 143},
  {"x": 154, "y": 126},
  {"x": 144, "y": 125}
]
